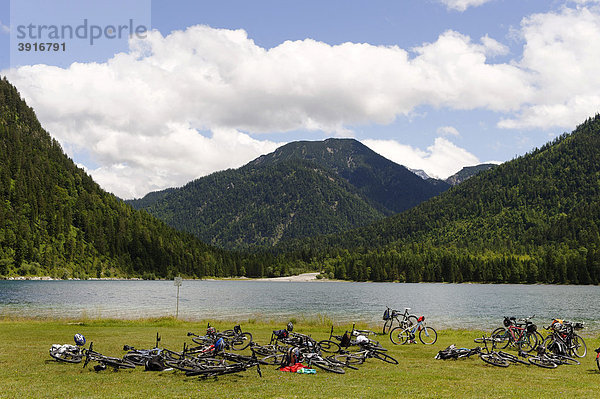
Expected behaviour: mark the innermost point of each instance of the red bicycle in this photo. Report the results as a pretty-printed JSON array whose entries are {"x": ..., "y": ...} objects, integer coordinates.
[{"x": 521, "y": 334}]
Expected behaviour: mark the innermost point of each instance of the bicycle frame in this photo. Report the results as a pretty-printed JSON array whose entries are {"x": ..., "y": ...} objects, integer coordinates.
[{"x": 517, "y": 333}]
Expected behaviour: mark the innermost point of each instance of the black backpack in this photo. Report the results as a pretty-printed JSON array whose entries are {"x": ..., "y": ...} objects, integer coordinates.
[
  {"x": 386, "y": 314},
  {"x": 155, "y": 363},
  {"x": 345, "y": 341}
]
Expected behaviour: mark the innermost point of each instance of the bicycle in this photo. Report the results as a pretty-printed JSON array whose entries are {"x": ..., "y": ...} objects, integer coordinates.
[
  {"x": 234, "y": 338},
  {"x": 359, "y": 357},
  {"x": 520, "y": 333},
  {"x": 139, "y": 357},
  {"x": 355, "y": 337},
  {"x": 403, "y": 335},
  {"x": 548, "y": 360},
  {"x": 491, "y": 356},
  {"x": 208, "y": 370},
  {"x": 389, "y": 315},
  {"x": 564, "y": 340},
  {"x": 66, "y": 353},
  {"x": 105, "y": 361}
]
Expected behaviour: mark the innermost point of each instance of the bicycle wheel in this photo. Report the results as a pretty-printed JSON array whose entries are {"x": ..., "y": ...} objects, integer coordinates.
[
  {"x": 273, "y": 359},
  {"x": 428, "y": 335},
  {"x": 350, "y": 358},
  {"x": 135, "y": 358},
  {"x": 501, "y": 337},
  {"x": 329, "y": 346},
  {"x": 241, "y": 342},
  {"x": 399, "y": 336},
  {"x": 328, "y": 366},
  {"x": 578, "y": 346},
  {"x": 512, "y": 358},
  {"x": 117, "y": 363},
  {"x": 67, "y": 356},
  {"x": 528, "y": 343},
  {"x": 494, "y": 359},
  {"x": 383, "y": 357},
  {"x": 387, "y": 325},
  {"x": 542, "y": 361},
  {"x": 569, "y": 361}
]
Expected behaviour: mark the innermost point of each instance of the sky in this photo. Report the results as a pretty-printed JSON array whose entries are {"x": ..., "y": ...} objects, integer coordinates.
[{"x": 204, "y": 86}]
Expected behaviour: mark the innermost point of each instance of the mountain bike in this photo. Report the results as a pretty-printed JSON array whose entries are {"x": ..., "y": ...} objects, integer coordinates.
[
  {"x": 563, "y": 340},
  {"x": 355, "y": 337},
  {"x": 139, "y": 357},
  {"x": 66, "y": 353},
  {"x": 208, "y": 370},
  {"x": 359, "y": 357},
  {"x": 548, "y": 360},
  {"x": 403, "y": 335},
  {"x": 402, "y": 319},
  {"x": 104, "y": 361},
  {"x": 521, "y": 334},
  {"x": 234, "y": 338}
]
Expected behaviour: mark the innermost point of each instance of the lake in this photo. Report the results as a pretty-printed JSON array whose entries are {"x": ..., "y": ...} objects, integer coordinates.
[{"x": 444, "y": 305}]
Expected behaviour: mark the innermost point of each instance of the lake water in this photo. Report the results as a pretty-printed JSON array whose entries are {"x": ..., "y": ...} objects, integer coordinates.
[{"x": 444, "y": 305}]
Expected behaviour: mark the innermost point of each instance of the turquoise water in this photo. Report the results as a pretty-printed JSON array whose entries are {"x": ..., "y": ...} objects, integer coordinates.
[{"x": 444, "y": 305}]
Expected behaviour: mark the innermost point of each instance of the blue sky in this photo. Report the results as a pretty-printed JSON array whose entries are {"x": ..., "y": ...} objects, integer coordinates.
[{"x": 461, "y": 81}]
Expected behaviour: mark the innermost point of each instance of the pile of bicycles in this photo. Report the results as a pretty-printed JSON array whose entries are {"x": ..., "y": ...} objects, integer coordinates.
[
  {"x": 208, "y": 357},
  {"x": 562, "y": 344},
  {"x": 217, "y": 353}
]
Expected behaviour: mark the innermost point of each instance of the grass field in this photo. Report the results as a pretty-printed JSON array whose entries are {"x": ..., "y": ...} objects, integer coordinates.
[{"x": 26, "y": 369}]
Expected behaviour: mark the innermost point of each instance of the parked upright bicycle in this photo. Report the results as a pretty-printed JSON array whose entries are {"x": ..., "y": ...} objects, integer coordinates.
[
  {"x": 521, "y": 334},
  {"x": 405, "y": 335},
  {"x": 393, "y": 316}
]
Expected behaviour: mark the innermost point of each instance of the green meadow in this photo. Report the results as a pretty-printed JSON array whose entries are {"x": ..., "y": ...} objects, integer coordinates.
[{"x": 27, "y": 371}]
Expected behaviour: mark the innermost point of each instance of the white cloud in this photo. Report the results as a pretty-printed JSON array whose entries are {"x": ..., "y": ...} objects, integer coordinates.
[
  {"x": 462, "y": 5},
  {"x": 4, "y": 28},
  {"x": 561, "y": 54},
  {"x": 447, "y": 131},
  {"x": 441, "y": 160},
  {"x": 137, "y": 114}
]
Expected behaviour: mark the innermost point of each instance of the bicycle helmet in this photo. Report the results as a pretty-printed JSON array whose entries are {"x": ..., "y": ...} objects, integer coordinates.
[
  {"x": 79, "y": 339},
  {"x": 219, "y": 344},
  {"x": 211, "y": 331},
  {"x": 290, "y": 326}
]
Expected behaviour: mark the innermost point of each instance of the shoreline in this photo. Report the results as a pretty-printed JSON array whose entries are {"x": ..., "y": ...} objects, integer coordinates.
[{"x": 304, "y": 277}]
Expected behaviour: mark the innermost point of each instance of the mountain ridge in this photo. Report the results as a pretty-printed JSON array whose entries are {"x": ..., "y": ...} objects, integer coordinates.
[{"x": 350, "y": 185}]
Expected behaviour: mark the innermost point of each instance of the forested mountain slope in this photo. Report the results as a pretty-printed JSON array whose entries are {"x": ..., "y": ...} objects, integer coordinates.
[
  {"x": 302, "y": 189},
  {"x": 263, "y": 205},
  {"x": 55, "y": 220},
  {"x": 532, "y": 219}
]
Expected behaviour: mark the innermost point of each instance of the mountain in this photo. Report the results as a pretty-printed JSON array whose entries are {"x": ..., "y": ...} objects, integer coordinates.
[
  {"x": 390, "y": 187},
  {"x": 56, "y": 221},
  {"x": 421, "y": 173},
  {"x": 468, "y": 172},
  {"x": 261, "y": 205},
  {"x": 300, "y": 190},
  {"x": 533, "y": 219}
]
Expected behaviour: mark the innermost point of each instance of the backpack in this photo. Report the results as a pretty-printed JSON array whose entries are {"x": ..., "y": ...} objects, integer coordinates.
[
  {"x": 155, "y": 363},
  {"x": 345, "y": 341},
  {"x": 386, "y": 314}
]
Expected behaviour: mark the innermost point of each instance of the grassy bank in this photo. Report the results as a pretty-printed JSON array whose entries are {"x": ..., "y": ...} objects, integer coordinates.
[{"x": 26, "y": 369}]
